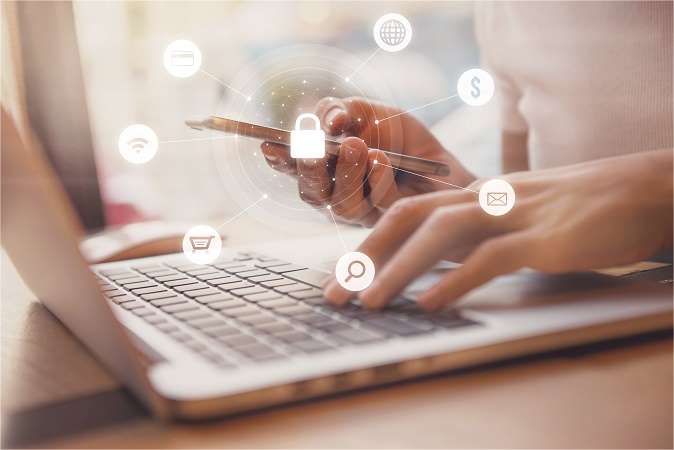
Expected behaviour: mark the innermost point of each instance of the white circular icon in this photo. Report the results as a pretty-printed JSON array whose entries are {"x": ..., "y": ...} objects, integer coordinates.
[
  {"x": 392, "y": 32},
  {"x": 354, "y": 271},
  {"x": 137, "y": 143},
  {"x": 182, "y": 58},
  {"x": 497, "y": 197},
  {"x": 475, "y": 87},
  {"x": 202, "y": 244}
]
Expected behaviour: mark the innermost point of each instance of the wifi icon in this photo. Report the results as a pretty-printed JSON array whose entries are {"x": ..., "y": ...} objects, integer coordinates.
[{"x": 138, "y": 144}]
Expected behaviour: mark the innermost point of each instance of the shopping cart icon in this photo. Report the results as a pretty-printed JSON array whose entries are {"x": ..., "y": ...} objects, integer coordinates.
[{"x": 200, "y": 243}]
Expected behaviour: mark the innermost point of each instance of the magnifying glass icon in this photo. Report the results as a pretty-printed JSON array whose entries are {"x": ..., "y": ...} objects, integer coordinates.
[{"x": 352, "y": 273}]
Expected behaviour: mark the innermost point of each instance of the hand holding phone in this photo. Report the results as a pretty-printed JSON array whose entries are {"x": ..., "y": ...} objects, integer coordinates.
[{"x": 358, "y": 189}]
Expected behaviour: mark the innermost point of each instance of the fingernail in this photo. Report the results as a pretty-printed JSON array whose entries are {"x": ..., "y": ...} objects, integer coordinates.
[
  {"x": 331, "y": 115},
  {"x": 370, "y": 297},
  {"x": 352, "y": 154},
  {"x": 335, "y": 294}
]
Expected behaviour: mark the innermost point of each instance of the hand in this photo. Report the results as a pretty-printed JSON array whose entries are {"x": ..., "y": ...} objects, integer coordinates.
[
  {"x": 362, "y": 190},
  {"x": 586, "y": 216}
]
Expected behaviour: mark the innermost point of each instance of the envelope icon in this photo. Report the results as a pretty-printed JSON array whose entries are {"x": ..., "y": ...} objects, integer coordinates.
[{"x": 497, "y": 199}]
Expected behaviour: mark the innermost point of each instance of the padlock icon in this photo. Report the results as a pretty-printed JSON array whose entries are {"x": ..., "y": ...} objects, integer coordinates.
[{"x": 307, "y": 143}]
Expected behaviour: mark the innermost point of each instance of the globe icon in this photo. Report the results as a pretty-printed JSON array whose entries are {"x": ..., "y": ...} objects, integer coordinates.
[{"x": 392, "y": 32}]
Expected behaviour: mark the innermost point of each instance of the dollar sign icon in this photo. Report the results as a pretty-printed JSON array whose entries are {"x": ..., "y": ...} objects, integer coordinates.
[{"x": 475, "y": 82}]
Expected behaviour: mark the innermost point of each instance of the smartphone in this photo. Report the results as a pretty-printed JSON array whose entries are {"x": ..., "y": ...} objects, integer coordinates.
[{"x": 407, "y": 163}]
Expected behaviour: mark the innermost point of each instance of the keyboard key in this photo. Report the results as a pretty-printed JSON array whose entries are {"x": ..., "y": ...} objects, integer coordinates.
[
  {"x": 132, "y": 305},
  {"x": 167, "y": 301},
  {"x": 268, "y": 295},
  {"x": 293, "y": 310},
  {"x": 106, "y": 287},
  {"x": 293, "y": 336},
  {"x": 311, "y": 346},
  {"x": 270, "y": 277},
  {"x": 393, "y": 326},
  {"x": 270, "y": 263},
  {"x": 230, "y": 264},
  {"x": 237, "y": 340},
  {"x": 152, "y": 268},
  {"x": 190, "y": 287},
  {"x": 356, "y": 336},
  {"x": 158, "y": 295},
  {"x": 189, "y": 316},
  {"x": 123, "y": 276},
  {"x": 112, "y": 272},
  {"x": 212, "y": 275},
  {"x": 310, "y": 293},
  {"x": 257, "y": 319},
  {"x": 292, "y": 288},
  {"x": 180, "y": 336},
  {"x": 202, "y": 271},
  {"x": 143, "y": 311},
  {"x": 126, "y": 281},
  {"x": 186, "y": 267},
  {"x": 226, "y": 304},
  {"x": 161, "y": 273},
  {"x": 279, "y": 282},
  {"x": 223, "y": 281},
  {"x": 277, "y": 303},
  {"x": 258, "y": 352},
  {"x": 167, "y": 327},
  {"x": 177, "y": 276},
  {"x": 123, "y": 299},
  {"x": 252, "y": 273},
  {"x": 181, "y": 282},
  {"x": 223, "y": 330},
  {"x": 275, "y": 328},
  {"x": 196, "y": 346},
  {"x": 238, "y": 285},
  {"x": 201, "y": 292},
  {"x": 239, "y": 269},
  {"x": 114, "y": 293},
  {"x": 313, "y": 318},
  {"x": 248, "y": 291},
  {"x": 285, "y": 268},
  {"x": 211, "y": 322},
  {"x": 149, "y": 290},
  {"x": 217, "y": 297},
  {"x": 154, "y": 319},
  {"x": 172, "y": 309},
  {"x": 241, "y": 311},
  {"x": 309, "y": 276}
]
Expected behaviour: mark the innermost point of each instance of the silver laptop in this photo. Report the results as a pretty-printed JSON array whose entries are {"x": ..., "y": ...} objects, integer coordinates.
[{"x": 252, "y": 330}]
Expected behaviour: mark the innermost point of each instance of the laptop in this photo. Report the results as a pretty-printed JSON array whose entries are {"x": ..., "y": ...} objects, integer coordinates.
[{"x": 252, "y": 329}]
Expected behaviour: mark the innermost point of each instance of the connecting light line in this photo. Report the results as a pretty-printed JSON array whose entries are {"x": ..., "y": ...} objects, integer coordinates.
[
  {"x": 347, "y": 79},
  {"x": 171, "y": 141},
  {"x": 416, "y": 109},
  {"x": 240, "y": 213},
  {"x": 428, "y": 178},
  {"x": 226, "y": 85},
  {"x": 339, "y": 233}
]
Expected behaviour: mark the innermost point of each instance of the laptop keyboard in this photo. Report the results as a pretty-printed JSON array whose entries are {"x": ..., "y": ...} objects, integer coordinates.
[{"x": 252, "y": 308}]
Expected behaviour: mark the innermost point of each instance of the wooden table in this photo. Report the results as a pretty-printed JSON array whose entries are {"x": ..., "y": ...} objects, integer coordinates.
[{"x": 611, "y": 396}]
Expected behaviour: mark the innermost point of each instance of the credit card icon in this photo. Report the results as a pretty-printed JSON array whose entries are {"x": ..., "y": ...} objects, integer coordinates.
[{"x": 182, "y": 58}]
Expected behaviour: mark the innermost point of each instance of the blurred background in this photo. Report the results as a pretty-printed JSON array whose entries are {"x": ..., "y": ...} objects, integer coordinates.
[{"x": 121, "y": 46}]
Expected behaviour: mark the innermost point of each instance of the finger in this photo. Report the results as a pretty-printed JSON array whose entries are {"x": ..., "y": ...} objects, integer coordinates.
[
  {"x": 496, "y": 256},
  {"x": 393, "y": 228},
  {"x": 348, "y": 199},
  {"x": 430, "y": 242},
  {"x": 332, "y": 113},
  {"x": 278, "y": 157},
  {"x": 383, "y": 188},
  {"x": 314, "y": 180}
]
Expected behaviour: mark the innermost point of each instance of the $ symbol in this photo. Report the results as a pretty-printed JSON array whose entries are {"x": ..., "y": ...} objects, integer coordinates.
[{"x": 475, "y": 92}]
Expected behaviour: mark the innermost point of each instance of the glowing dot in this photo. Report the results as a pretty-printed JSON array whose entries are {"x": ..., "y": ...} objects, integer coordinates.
[
  {"x": 304, "y": 81},
  {"x": 283, "y": 105},
  {"x": 376, "y": 122},
  {"x": 347, "y": 79},
  {"x": 329, "y": 206},
  {"x": 375, "y": 162},
  {"x": 359, "y": 119},
  {"x": 333, "y": 179},
  {"x": 248, "y": 99},
  {"x": 265, "y": 196}
]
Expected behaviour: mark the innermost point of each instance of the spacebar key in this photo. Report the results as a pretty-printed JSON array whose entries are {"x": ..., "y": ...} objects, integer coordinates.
[{"x": 308, "y": 276}]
